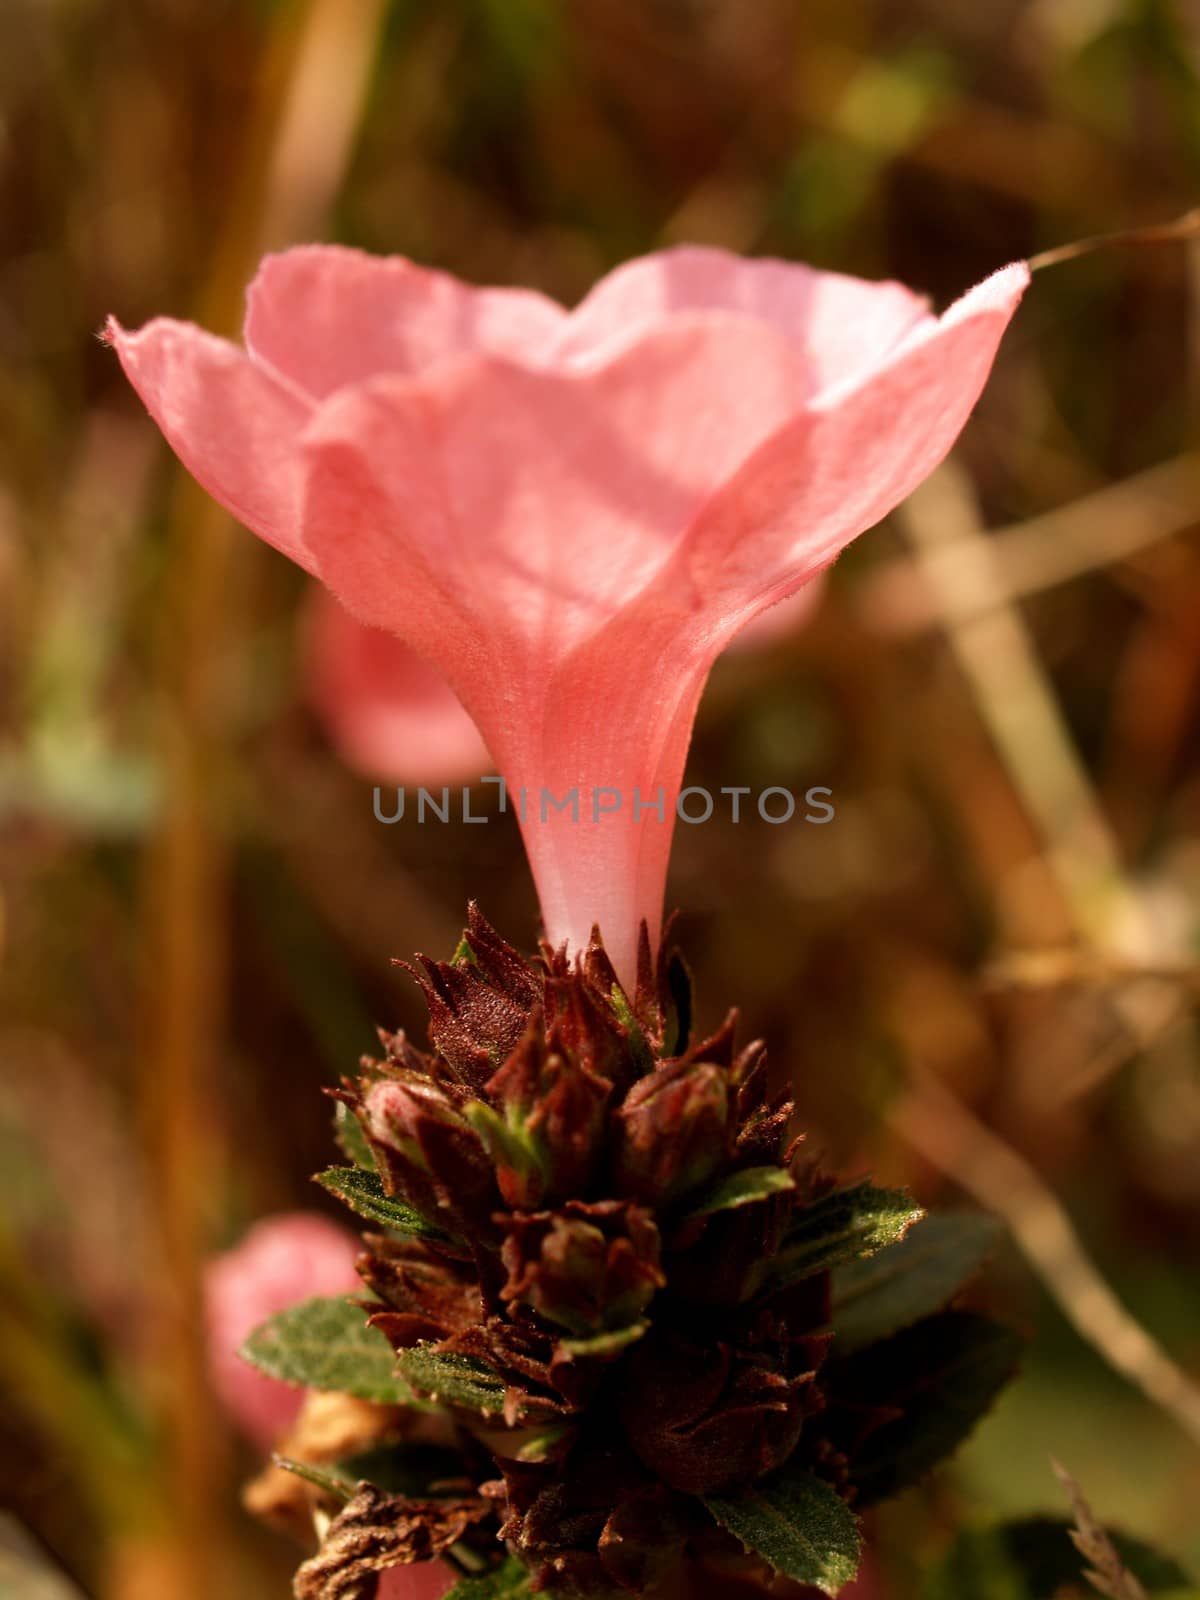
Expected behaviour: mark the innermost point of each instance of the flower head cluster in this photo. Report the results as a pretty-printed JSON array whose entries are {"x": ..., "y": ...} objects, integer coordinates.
[
  {"x": 608, "y": 1266},
  {"x": 565, "y": 1135}
]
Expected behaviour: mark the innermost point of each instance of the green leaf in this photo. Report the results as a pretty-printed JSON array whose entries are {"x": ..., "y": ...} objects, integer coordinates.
[
  {"x": 506, "y": 1582},
  {"x": 326, "y": 1344},
  {"x": 609, "y": 1343},
  {"x": 912, "y": 1278},
  {"x": 351, "y": 1139},
  {"x": 1033, "y": 1558},
  {"x": 453, "y": 1380},
  {"x": 406, "y": 1469},
  {"x": 642, "y": 1053},
  {"x": 364, "y": 1192},
  {"x": 540, "y": 1445},
  {"x": 842, "y": 1226},
  {"x": 740, "y": 1189},
  {"x": 508, "y": 1146},
  {"x": 799, "y": 1524},
  {"x": 942, "y": 1375}
]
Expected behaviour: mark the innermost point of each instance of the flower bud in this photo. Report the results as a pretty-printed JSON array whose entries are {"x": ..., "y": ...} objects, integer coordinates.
[
  {"x": 583, "y": 1023},
  {"x": 586, "y": 1267},
  {"x": 672, "y": 1132},
  {"x": 547, "y": 1135},
  {"x": 428, "y": 1151}
]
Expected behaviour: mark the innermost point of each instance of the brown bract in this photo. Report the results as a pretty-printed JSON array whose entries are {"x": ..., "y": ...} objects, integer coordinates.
[{"x": 375, "y": 1531}]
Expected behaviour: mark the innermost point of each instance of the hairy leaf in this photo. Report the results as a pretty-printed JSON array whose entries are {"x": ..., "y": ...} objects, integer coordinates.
[
  {"x": 740, "y": 1189},
  {"x": 326, "y": 1344},
  {"x": 843, "y": 1226},
  {"x": 405, "y": 1468},
  {"x": 799, "y": 1524},
  {"x": 910, "y": 1279},
  {"x": 1106, "y": 1572},
  {"x": 942, "y": 1375},
  {"x": 363, "y": 1192},
  {"x": 609, "y": 1343},
  {"x": 452, "y": 1380},
  {"x": 638, "y": 1043},
  {"x": 351, "y": 1139},
  {"x": 328, "y": 1479}
]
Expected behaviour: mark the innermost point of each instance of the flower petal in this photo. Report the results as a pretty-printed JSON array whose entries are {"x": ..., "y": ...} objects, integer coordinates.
[
  {"x": 783, "y": 620},
  {"x": 621, "y": 708},
  {"x": 234, "y": 426},
  {"x": 534, "y": 505},
  {"x": 326, "y": 316},
  {"x": 840, "y": 326},
  {"x": 390, "y": 714},
  {"x": 843, "y": 464}
]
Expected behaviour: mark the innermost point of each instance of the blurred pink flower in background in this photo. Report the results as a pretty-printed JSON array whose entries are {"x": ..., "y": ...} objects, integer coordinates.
[
  {"x": 387, "y": 712},
  {"x": 571, "y": 513},
  {"x": 282, "y": 1259}
]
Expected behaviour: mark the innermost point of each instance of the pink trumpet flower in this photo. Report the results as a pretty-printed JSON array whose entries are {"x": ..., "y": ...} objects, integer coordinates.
[{"x": 571, "y": 514}]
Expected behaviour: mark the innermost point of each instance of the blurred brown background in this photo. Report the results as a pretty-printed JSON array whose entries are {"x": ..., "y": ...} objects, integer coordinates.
[{"x": 982, "y": 974}]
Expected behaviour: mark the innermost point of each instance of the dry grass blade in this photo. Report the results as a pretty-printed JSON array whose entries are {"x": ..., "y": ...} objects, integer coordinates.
[
  {"x": 1099, "y": 530},
  {"x": 1180, "y": 229},
  {"x": 1108, "y": 1574},
  {"x": 310, "y": 100},
  {"x": 937, "y": 1124}
]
